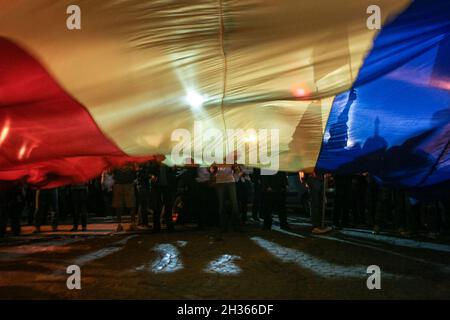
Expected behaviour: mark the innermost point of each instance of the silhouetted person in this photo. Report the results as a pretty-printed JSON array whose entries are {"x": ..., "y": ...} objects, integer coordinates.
[
  {"x": 343, "y": 185},
  {"x": 206, "y": 197},
  {"x": 46, "y": 202},
  {"x": 189, "y": 193},
  {"x": 372, "y": 200},
  {"x": 3, "y": 211},
  {"x": 435, "y": 218},
  {"x": 383, "y": 208},
  {"x": 107, "y": 183},
  {"x": 124, "y": 195},
  {"x": 274, "y": 199},
  {"x": 359, "y": 195},
  {"x": 401, "y": 210},
  {"x": 164, "y": 187},
  {"x": 226, "y": 187},
  {"x": 242, "y": 188},
  {"x": 79, "y": 206},
  {"x": 257, "y": 192},
  {"x": 12, "y": 203},
  {"x": 143, "y": 192}
]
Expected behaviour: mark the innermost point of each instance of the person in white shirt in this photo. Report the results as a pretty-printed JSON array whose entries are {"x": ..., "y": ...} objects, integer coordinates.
[
  {"x": 225, "y": 186},
  {"x": 242, "y": 178},
  {"x": 107, "y": 182}
]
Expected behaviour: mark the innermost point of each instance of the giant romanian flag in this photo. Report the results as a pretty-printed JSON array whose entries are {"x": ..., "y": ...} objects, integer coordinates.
[{"x": 345, "y": 98}]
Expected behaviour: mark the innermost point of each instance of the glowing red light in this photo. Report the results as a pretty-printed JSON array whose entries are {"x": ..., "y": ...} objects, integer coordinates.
[{"x": 300, "y": 90}]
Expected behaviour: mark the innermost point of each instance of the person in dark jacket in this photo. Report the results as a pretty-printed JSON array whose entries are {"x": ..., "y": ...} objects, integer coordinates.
[
  {"x": 189, "y": 193},
  {"x": 256, "y": 206},
  {"x": 79, "y": 194},
  {"x": 274, "y": 199},
  {"x": 359, "y": 196},
  {"x": 12, "y": 203},
  {"x": 3, "y": 212},
  {"x": 143, "y": 190},
  {"x": 242, "y": 190},
  {"x": 316, "y": 184},
  {"x": 164, "y": 187},
  {"x": 124, "y": 195},
  {"x": 47, "y": 200},
  {"x": 343, "y": 184}
]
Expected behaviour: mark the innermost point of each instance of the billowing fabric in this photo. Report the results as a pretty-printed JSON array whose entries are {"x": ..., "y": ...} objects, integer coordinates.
[
  {"x": 74, "y": 102},
  {"x": 46, "y": 137},
  {"x": 398, "y": 126}
]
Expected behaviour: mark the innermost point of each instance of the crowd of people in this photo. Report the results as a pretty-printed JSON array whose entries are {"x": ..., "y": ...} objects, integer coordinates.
[
  {"x": 361, "y": 201},
  {"x": 224, "y": 196},
  {"x": 216, "y": 196}
]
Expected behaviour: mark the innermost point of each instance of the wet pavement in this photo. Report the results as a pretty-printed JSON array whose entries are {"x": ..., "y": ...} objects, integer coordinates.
[{"x": 192, "y": 264}]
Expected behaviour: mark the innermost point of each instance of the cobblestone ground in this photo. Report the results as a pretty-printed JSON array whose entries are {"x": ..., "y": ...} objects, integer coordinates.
[{"x": 252, "y": 264}]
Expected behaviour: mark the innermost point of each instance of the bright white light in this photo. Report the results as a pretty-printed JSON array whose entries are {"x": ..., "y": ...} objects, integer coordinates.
[
  {"x": 194, "y": 99},
  {"x": 168, "y": 259},
  {"x": 21, "y": 153},
  {"x": 316, "y": 265},
  {"x": 5, "y": 131},
  {"x": 251, "y": 138},
  {"x": 224, "y": 265}
]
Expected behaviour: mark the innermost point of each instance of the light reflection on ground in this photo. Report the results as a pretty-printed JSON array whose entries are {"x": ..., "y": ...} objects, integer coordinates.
[
  {"x": 322, "y": 268},
  {"x": 224, "y": 265},
  {"x": 168, "y": 259},
  {"x": 99, "y": 254}
]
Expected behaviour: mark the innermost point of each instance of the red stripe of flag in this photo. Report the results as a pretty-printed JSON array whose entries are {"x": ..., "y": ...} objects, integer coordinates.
[{"x": 46, "y": 136}]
